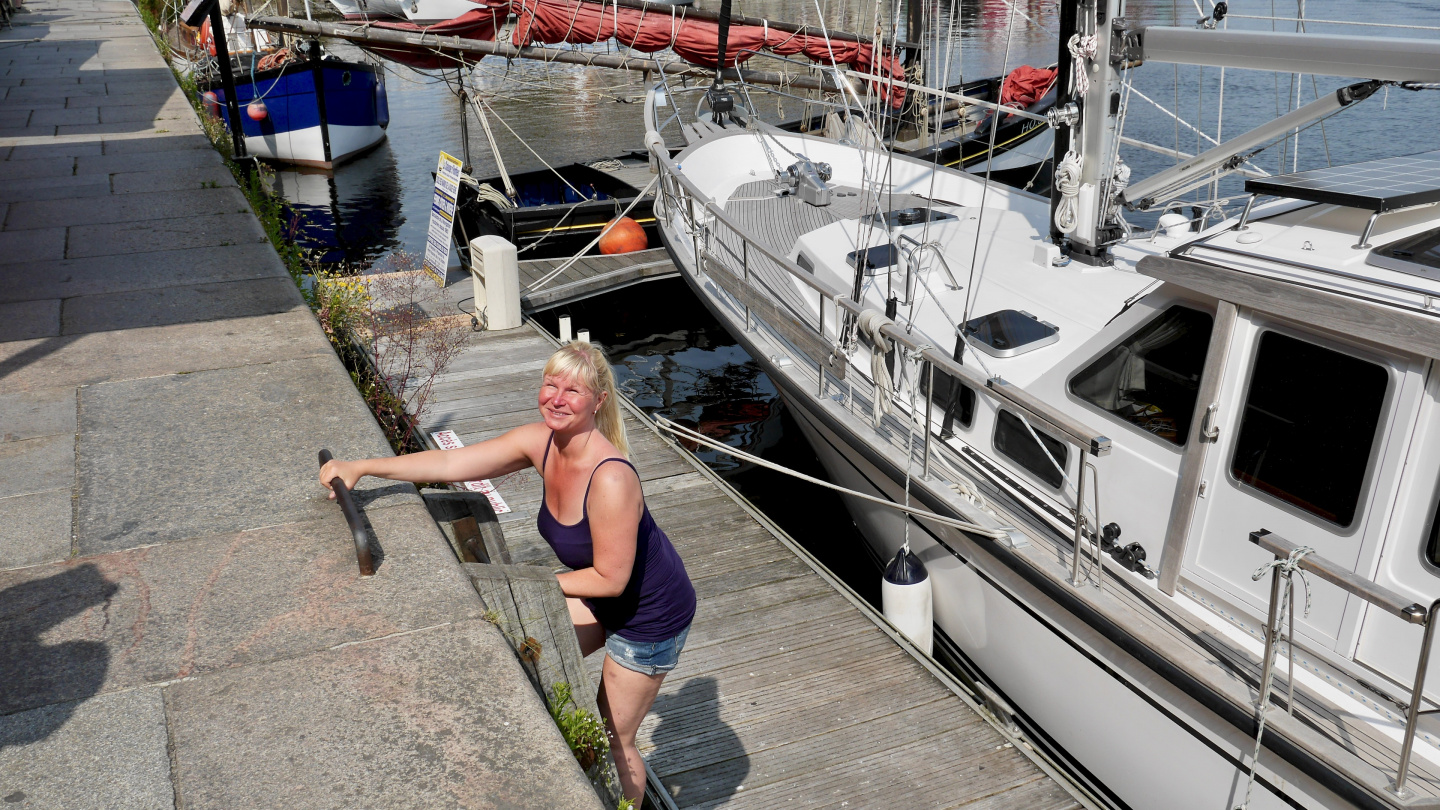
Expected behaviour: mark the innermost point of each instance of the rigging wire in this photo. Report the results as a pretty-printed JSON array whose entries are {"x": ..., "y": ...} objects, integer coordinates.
[{"x": 990, "y": 164}]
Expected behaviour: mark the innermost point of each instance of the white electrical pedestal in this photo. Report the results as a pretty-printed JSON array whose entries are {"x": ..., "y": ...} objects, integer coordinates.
[{"x": 496, "y": 275}]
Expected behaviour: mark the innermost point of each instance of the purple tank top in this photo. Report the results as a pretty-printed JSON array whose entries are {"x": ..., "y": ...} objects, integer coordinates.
[{"x": 658, "y": 601}]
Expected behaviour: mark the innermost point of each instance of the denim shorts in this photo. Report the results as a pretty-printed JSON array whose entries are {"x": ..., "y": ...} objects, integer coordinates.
[{"x": 646, "y": 657}]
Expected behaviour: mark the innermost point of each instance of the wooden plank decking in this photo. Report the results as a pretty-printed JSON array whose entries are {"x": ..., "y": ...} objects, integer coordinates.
[
  {"x": 587, "y": 276},
  {"x": 788, "y": 692}
]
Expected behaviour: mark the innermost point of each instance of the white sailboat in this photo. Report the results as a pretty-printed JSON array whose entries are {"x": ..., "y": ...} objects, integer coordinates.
[{"x": 1102, "y": 435}]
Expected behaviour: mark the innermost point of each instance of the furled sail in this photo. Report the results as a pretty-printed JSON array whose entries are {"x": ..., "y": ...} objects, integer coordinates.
[
  {"x": 481, "y": 23},
  {"x": 694, "y": 40}
]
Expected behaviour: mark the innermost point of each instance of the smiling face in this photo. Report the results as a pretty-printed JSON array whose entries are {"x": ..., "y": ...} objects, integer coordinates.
[{"x": 566, "y": 404}]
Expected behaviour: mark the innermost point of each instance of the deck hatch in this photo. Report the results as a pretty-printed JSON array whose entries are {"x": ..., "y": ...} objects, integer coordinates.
[
  {"x": 1009, "y": 332},
  {"x": 1418, "y": 255},
  {"x": 1375, "y": 185},
  {"x": 876, "y": 258},
  {"x": 904, "y": 217}
]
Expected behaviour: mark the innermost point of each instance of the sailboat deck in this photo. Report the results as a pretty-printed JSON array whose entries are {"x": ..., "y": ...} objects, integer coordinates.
[
  {"x": 778, "y": 222},
  {"x": 789, "y": 688}
]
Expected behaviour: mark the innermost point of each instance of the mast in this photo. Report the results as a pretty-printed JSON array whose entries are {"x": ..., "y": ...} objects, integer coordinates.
[
  {"x": 1064, "y": 101},
  {"x": 1082, "y": 211},
  {"x": 1099, "y": 130},
  {"x": 717, "y": 98}
]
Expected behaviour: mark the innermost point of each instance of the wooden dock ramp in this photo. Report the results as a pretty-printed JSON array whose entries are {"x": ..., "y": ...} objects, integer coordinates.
[{"x": 791, "y": 690}]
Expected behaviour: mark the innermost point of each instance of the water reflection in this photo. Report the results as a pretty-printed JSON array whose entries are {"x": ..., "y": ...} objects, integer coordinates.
[{"x": 349, "y": 215}]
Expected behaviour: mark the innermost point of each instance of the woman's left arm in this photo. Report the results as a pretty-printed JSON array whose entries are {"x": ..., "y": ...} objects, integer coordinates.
[{"x": 615, "y": 506}]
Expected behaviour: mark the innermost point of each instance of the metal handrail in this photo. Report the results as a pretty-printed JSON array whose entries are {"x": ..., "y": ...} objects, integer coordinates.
[
  {"x": 1375, "y": 594},
  {"x": 352, "y": 517},
  {"x": 1088, "y": 440}
]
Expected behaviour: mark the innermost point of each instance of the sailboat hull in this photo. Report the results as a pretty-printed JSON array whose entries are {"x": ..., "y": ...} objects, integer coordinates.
[{"x": 1134, "y": 734}]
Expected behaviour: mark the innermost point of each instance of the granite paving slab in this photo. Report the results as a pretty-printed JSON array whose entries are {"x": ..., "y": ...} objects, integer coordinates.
[
  {"x": 36, "y": 465},
  {"x": 166, "y": 458},
  {"x": 167, "y": 144},
  {"x": 61, "y": 115},
  {"x": 444, "y": 718},
  {"x": 33, "y": 245},
  {"x": 172, "y": 180},
  {"x": 180, "y": 609},
  {"x": 158, "y": 306},
  {"x": 119, "y": 159},
  {"x": 215, "y": 230},
  {"x": 138, "y": 271},
  {"x": 35, "y": 529},
  {"x": 26, "y": 320},
  {"x": 32, "y": 414},
  {"x": 109, "y": 752},
  {"x": 144, "y": 207},
  {"x": 51, "y": 188},
  {"x": 50, "y": 151},
  {"x": 106, "y": 356}
]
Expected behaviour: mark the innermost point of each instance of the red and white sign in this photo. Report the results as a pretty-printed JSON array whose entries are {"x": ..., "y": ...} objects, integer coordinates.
[{"x": 447, "y": 440}]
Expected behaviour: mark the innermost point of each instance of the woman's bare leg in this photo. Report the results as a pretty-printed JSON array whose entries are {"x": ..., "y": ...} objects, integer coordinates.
[
  {"x": 625, "y": 698},
  {"x": 587, "y": 627}
]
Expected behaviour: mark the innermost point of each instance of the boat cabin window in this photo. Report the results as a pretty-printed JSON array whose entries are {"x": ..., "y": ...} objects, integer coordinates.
[
  {"x": 1152, "y": 378},
  {"x": 954, "y": 401},
  {"x": 1308, "y": 425},
  {"x": 1014, "y": 441},
  {"x": 1432, "y": 543},
  {"x": 805, "y": 263}
]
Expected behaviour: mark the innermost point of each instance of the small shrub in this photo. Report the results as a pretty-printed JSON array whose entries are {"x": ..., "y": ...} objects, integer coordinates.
[
  {"x": 582, "y": 729},
  {"x": 382, "y": 326}
]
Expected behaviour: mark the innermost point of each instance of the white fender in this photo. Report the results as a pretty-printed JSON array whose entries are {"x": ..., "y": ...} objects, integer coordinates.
[{"x": 906, "y": 596}]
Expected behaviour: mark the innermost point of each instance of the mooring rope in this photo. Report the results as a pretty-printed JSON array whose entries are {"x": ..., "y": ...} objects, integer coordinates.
[{"x": 925, "y": 514}]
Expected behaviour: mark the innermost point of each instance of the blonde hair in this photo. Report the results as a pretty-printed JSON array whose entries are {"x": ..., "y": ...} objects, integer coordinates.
[{"x": 586, "y": 364}]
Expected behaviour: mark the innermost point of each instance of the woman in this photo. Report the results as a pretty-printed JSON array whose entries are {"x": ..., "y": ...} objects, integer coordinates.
[{"x": 628, "y": 591}]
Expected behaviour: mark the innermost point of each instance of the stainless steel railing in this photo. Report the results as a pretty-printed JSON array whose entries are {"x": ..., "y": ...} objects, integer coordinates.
[
  {"x": 1375, "y": 594},
  {"x": 680, "y": 202}
]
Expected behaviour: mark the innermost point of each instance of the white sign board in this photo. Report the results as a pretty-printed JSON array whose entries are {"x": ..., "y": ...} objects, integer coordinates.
[
  {"x": 447, "y": 440},
  {"x": 442, "y": 218}
]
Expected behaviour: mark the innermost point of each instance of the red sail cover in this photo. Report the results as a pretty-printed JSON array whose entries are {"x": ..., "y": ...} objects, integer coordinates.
[
  {"x": 695, "y": 41},
  {"x": 482, "y": 23},
  {"x": 1026, "y": 85}
]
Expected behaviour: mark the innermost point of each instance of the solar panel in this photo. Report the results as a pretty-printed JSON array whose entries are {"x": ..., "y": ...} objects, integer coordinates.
[{"x": 1377, "y": 185}]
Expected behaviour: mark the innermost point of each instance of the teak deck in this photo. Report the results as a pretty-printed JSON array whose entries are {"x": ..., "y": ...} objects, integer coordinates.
[{"x": 789, "y": 691}]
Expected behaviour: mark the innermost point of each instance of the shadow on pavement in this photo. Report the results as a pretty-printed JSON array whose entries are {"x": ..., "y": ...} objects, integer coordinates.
[{"x": 37, "y": 674}]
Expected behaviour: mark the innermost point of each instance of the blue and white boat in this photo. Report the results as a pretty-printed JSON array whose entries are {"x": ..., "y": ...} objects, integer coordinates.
[{"x": 318, "y": 111}]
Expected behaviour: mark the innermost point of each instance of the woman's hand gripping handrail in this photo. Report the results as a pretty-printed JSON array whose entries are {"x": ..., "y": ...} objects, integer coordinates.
[{"x": 352, "y": 517}]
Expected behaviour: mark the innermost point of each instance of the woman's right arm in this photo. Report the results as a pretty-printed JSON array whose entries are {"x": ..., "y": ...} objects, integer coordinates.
[{"x": 515, "y": 450}]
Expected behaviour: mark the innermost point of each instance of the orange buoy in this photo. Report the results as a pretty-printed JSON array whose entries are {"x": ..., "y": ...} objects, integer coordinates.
[
  {"x": 623, "y": 235},
  {"x": 256, "y": 110}
]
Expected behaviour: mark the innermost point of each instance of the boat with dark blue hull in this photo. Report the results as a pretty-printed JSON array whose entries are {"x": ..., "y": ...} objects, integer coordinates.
[{"x": 317, "y": 111}]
